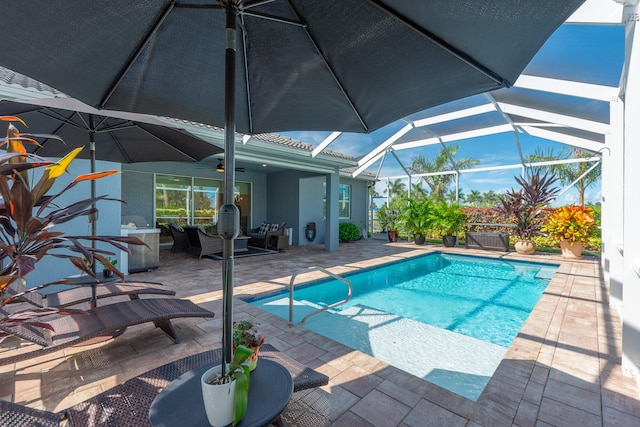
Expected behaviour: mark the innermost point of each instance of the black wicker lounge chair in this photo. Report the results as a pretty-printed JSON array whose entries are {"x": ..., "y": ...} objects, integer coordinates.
[
  {"x": 180, "y": 242},
  {"x": 108, "y": 319},
  {"x": 202, "y": 243},
  {"x": 128, "y": 404},
  {"x": 80, "y": 294}
]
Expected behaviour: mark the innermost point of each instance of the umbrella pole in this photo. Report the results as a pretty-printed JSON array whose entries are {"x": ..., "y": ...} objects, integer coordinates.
[
  {"x": 229, "y": 218},
  {"x": 94, "y": 216}
]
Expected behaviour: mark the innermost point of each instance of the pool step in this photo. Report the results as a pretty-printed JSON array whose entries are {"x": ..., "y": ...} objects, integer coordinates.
[{"x": 454, "y": 361}]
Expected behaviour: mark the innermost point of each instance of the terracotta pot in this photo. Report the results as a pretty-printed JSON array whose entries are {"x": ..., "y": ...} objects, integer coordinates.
[
  {"x": 525, "y": 247},
  {"x": 419, "y": 239},
  {"x": 392, "y": 235},
  {"x": 571, "y": 251},
  {"x": 219, "y": 400}
]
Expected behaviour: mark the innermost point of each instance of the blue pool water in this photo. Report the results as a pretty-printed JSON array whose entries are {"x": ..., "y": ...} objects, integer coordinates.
[{"x": 459, "y": 314}]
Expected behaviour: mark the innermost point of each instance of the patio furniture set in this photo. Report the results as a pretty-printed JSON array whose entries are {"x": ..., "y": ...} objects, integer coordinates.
[
  {"x": 129, "y": 403},
  {"x": 197, "y": 241}
]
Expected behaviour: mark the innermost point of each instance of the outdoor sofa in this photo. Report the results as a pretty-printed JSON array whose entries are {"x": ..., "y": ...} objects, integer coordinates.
[{"x": 261, "y": 236}]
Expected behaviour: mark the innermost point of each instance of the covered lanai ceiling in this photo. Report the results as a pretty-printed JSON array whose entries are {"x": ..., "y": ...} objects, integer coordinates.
[{"x": 562, "y": 99}]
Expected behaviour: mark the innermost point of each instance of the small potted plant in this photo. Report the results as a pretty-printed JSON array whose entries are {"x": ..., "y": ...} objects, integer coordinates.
[
  {"x": 106, "y": 271},
  {"x": 571, "y": 227},
  {"x": 226, "y": 394},
  {"x": 246, "y": 334},
  {"x": 389, "y": 217}
]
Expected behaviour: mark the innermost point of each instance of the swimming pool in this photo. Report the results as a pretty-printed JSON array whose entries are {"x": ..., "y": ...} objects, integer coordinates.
[{"x": 446, "y": 318}]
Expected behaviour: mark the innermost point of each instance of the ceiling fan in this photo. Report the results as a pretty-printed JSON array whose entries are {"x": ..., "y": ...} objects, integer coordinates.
[{"x": 220, "y": 167}]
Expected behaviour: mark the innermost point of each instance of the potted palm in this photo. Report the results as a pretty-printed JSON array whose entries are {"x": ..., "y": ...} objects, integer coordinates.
[
  {"x": 571, "y": 227},
  {"x": 525, "y": 206},
  {"x": 389, "y": 217},
  {"x": 415, "y": 218},
  {"x": 447, "y": 220}
]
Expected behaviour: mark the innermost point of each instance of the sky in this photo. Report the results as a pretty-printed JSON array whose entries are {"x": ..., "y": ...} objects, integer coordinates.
[{"x": 584, "y": 53}]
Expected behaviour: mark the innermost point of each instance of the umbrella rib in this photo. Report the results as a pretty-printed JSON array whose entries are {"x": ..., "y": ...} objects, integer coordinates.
[
  {"x": 115, "y": 139},
  {"x": 136, "y": 54},
  {"x": 167, "y": 144},
  {"x": 467, "y": 59},
  {"x": 328, "y": 66}
]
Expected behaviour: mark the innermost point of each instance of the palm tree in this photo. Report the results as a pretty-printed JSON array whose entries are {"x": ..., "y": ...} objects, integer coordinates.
[
  {"x": 418, "y": 192},
  {"x": 451, "y": 196},
  {"x": 567, "y": 173},
  {"x": 397, "y": 188},
  {"x": 444, "y": 161},
  {"x": 474, "y": 198},
  {"x": 490, "y": 198}
]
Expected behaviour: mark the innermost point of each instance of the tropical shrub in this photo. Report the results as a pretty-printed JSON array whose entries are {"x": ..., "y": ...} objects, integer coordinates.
[
  {"x": 415, "y": 216},
  {"x": 524, "y": 207},
  {"x": 447, "y": 218},
  {"x": 348, "y": 231},
  {"x": 570, "y": 223},
  {"x": 29, "y": 214},
  {"x": 389, "y": 215}
]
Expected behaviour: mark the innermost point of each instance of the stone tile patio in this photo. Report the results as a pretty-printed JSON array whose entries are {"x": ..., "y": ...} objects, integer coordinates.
[{"x": 563, "y": 369}]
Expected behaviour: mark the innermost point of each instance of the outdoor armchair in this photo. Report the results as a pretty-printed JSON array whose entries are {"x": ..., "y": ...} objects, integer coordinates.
[
  {"x": 202, "y": 243},
  {"x": 180, "y": 242}
]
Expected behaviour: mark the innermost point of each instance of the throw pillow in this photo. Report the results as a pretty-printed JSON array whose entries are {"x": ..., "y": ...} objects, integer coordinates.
[
  {"x": 264, "y": 228},
  {"x": 274, "y": 227}
]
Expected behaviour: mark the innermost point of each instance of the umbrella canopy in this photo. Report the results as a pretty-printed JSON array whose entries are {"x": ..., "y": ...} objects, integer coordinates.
[
  {"x": 111, "y": 135},
  {"x": 300, "y": 64},
  {"x": 119, "y": 137}
]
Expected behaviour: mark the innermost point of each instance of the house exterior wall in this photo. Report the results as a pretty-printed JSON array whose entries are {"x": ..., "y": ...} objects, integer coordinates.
[{"x": 50, "y": 269}]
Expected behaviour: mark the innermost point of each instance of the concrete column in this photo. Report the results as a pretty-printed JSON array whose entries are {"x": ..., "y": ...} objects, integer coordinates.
[
  {"x": 631, "y": 194},
  {"x": 331, "y": 225},
  {"x": 612, "y": 203}
]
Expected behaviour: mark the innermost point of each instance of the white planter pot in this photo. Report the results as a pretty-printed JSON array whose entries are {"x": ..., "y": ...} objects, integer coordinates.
[
  {"x": 219, "y": 400},
  {"x": 525, "y": 247}
]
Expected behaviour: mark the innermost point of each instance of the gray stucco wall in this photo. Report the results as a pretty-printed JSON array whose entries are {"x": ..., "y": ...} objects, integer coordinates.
[{"x": 50, "y": 269}]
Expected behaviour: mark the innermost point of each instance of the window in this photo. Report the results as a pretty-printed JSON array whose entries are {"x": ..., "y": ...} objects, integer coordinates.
[
  {"x": 195, "y": 201},
  {"x": 344, "y": 201}
]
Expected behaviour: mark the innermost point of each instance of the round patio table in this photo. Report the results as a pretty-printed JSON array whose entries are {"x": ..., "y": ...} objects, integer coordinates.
[{"x": 180, "y": 403}]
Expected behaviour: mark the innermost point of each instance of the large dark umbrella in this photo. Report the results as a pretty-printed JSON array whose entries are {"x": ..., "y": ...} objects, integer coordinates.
[
  {"x": 339, "y": 65},
  {"x": 114, "y": 136}
]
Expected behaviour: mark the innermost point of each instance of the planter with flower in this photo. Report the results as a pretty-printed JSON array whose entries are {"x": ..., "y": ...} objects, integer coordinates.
[
  {"x": 246, "y": 334},
  {"x": 225, "y": 392},
  {"x": 571, "y": 226},
  {"x": 525, "y": 208}
]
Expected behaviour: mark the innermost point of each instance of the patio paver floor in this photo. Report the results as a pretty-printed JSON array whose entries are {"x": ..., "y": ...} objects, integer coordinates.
[{"x": 562, "y": 369}]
